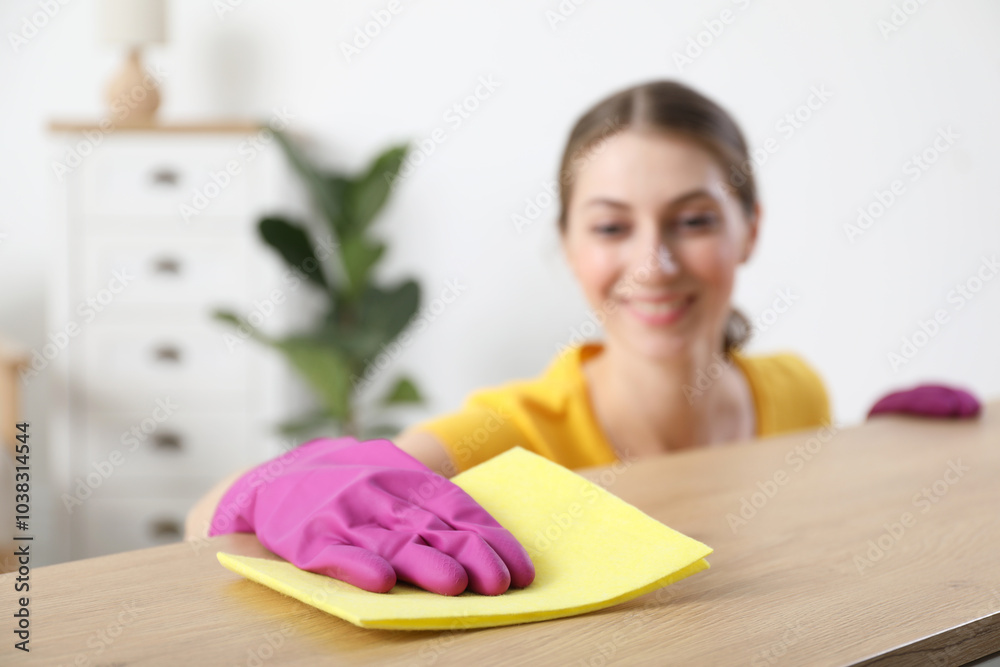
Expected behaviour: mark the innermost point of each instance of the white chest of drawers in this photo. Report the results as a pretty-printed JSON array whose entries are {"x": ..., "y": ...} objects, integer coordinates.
[{"x": 150, "y": 401}]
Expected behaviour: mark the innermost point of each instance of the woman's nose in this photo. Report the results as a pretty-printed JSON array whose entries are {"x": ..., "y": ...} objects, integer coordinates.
[
  {"x": 665, "y": 260},
  {"x": 655, "y": 262}
]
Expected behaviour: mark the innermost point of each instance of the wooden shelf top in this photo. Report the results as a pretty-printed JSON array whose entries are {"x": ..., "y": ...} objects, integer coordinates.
[{"x": 234, "y": 126}]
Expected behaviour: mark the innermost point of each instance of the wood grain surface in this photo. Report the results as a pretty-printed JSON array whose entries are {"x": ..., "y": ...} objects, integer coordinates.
[{"x": 876, "y": 544}]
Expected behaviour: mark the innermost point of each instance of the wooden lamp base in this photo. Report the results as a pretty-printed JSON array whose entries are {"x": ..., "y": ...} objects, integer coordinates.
[{"x": 133, "y": 95}]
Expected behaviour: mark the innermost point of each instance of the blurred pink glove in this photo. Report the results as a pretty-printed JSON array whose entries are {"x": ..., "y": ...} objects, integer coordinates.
[
  {"x": 930, "y": 400},
  {"x": 368, "y": 513}
]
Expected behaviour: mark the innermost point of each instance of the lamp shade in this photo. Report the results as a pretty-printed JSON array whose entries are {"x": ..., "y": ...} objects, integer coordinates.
[{"x": 133, "y": 22}]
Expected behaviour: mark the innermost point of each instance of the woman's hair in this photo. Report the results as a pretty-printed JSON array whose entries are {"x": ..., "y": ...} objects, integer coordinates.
[{"x": 665, "y": 106}]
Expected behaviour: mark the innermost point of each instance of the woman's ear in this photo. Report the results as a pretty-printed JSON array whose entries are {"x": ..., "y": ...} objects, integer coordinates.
[{"x": 753, "y": 227}]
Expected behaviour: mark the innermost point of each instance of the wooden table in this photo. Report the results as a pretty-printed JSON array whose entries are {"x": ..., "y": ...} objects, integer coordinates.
[{"x": 878, "y": 544}]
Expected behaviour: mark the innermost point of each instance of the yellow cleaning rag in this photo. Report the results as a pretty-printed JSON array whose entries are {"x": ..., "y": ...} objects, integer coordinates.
[{"x": 590, "y": 549}]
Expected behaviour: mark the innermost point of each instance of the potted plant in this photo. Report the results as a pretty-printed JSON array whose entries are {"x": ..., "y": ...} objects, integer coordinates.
[{"x": 359, "y": 316}]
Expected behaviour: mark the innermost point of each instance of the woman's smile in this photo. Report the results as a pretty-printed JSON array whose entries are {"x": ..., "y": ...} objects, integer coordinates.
[{"x": 659, "y": 311}]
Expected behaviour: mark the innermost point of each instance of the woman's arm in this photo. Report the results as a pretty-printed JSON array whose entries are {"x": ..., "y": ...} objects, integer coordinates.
[
  {"x": 200, "y": 516},
  {"x": 419, "y": 444},
  {"x": 427, "y": 449}
]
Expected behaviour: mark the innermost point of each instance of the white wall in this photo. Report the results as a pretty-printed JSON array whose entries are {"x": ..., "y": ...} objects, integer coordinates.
[{"x": 451, "y": 220}]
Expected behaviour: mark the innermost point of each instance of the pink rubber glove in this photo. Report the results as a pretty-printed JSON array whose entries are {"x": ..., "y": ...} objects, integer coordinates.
[
  {"x": 929, "y": 400},
  {"x": 368, "y": 513}
]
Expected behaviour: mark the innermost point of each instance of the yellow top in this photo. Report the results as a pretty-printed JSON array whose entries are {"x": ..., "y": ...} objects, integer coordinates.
[{"x": 551, "y": 415}]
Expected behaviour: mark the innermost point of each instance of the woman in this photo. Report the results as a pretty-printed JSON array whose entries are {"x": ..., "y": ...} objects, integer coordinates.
[{"x": 657, "y": 210}]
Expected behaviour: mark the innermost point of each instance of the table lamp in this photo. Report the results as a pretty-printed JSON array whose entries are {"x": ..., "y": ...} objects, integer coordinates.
[{"x": 133, "y": 95}]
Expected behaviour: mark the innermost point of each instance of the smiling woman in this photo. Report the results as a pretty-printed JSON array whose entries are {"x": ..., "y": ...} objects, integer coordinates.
[{"x": 654, "y": 232}]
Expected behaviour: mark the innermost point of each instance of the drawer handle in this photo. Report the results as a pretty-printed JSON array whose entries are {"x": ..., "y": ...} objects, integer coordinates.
[
  {"x": 165, "y": 528},
  {"x": 165, "y": 176},
  {"x": 168, "y": 353},
  {"x": 167, "y": 265},
  {"x": 167, "y": 441}
]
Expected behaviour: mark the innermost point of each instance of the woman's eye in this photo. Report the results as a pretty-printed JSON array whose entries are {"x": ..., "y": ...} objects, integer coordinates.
[
  {"x": 700, "y": 221},
  {"x": 610, "y": 228}
]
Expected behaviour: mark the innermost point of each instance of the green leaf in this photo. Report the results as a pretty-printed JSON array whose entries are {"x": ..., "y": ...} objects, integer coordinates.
[
  {"x": 326, "y": 370},
  {"x": 356, "y": 342},
  {"x": 307, "y": 423},
  {"x": 324, "y": 196},
  {"x": 379, "y": 431},
  {"x": 403, "y": 392},
  {"x": 293, "y": 244},
  {"x": 389, "y": 310},
  {"x": 368, "y": 194},
  {"x": 338, "y": 185},
  {"x": 359, "y": 256},
  {"x": 232, "y": 318},
  {"x": 380, "y": 317}
]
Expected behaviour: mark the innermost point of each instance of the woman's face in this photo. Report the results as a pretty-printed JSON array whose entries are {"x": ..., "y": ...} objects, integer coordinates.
[{"x": 654, "y": 236}]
